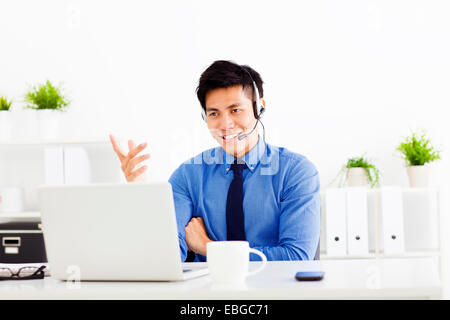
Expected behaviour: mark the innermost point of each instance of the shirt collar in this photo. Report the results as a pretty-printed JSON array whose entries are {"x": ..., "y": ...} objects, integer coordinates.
[{"x": 251, "y": 159}]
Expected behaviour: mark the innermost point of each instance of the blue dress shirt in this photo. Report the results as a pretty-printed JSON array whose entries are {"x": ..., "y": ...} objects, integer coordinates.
[{"x": 281, "y": 200}]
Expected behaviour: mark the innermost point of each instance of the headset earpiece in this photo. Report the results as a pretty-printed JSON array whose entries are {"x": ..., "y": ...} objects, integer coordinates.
[
  {"x": 257, "y": 104},
  {"x": 261, "y": 111}
]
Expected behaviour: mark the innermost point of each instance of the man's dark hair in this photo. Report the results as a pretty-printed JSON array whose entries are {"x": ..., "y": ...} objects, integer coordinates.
[{"x": 224, "y": 74}]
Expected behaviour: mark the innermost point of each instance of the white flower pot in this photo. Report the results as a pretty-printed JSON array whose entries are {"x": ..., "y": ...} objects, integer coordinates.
[
  {"x": 418, "y": 176},
  {"x": 357, "y": 177},
  {"x": 48, "y": 123},
  {"x": 11, "y": 199},
  {"x": 6, "y": 125},
  {"x": 25, "y": 127}
]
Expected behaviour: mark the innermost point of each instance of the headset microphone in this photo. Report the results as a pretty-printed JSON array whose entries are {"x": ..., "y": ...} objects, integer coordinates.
[{"x": 243, "y": 136}]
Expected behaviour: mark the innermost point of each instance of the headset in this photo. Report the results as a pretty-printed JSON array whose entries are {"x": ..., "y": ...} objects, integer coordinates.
[{"x": 257, "y": 104}]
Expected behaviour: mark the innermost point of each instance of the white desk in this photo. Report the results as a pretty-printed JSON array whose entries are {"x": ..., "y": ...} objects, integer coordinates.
[{"x": 344, "y": 279}]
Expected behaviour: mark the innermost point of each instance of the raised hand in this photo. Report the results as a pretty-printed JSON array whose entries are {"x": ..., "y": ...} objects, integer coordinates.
[{"x": 129, "y": 161}]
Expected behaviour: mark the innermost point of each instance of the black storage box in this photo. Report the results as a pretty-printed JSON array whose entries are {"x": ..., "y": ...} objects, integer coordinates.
[{"x": 22, "y": 242}]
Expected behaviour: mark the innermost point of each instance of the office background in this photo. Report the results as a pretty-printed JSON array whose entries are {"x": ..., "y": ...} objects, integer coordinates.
[{"x": 342, "y": 78}]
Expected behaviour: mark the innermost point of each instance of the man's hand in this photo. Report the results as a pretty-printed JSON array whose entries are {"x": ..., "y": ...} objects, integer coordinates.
[
  {"x": 130, "y": 160},
  {"x": 196, "y": 236}
]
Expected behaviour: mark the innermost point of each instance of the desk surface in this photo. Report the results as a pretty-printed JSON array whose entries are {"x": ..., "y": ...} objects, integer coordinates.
[{"x": 354, "y": 279}]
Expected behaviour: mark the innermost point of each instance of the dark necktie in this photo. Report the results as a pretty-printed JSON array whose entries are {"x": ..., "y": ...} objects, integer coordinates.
[{"x": 235, "y": 210}]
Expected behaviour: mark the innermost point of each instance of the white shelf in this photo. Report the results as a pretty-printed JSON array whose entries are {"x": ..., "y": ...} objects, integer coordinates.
[
  {"x": 372, "y": 255},
  {"x": 38, "y": 142},
  {"x": 20, "y": 216}
]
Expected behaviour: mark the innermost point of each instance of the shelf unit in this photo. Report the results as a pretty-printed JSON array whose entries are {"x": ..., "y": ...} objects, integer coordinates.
[
  {"x": 423, "y": 232},
  {"x": 53, "y": 142},
  {"x": 28, "y": 216},
  {"x": 23, "y": 164},
  {"x": 431, "y": 253}
]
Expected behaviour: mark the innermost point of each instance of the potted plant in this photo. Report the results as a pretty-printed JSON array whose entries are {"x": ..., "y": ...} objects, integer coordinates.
[
  {"x": 358, "y": 171},
  {"x": 49, "y": 101},
  {"x": 5, "y": 119},
  {"x": 417, "y": 152}
]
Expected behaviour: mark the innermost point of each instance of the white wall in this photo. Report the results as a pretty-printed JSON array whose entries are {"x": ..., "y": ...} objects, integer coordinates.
[{"x": 342, "y": 78}]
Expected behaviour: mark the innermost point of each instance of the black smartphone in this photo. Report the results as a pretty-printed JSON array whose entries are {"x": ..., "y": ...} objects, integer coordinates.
[{"x": 309, "y": 275}]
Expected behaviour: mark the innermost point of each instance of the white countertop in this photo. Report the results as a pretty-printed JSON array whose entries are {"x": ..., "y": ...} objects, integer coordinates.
[{"x": 344, "y": 279}]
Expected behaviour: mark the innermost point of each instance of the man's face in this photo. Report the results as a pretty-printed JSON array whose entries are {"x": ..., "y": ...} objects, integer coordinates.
[{"x": 229, "y": 114}]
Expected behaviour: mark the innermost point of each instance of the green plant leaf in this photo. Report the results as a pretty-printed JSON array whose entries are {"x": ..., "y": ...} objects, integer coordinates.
[
  {"x": 46, "y": 96},
  {"x": 417, "y": 150},
  {"x": 5, "y": 104}
]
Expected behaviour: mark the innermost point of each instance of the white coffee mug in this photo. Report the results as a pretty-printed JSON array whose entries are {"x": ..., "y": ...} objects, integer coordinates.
[
  {"x": 228, "y": 261},
  {"x": 11, "y": 199}
]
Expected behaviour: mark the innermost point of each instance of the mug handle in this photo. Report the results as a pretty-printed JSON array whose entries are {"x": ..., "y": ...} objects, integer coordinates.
[{"x": 264, "y": 261}]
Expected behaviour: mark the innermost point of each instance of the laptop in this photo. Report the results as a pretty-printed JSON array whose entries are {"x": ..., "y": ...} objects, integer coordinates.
[{"x": 113, "y": 232}]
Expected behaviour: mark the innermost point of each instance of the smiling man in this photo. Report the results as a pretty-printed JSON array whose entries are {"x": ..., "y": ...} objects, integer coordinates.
[{"x": 244, "y": 189}]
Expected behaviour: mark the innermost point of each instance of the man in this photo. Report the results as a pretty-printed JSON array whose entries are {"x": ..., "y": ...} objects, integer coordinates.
[{"x": 244, "y": 189}]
